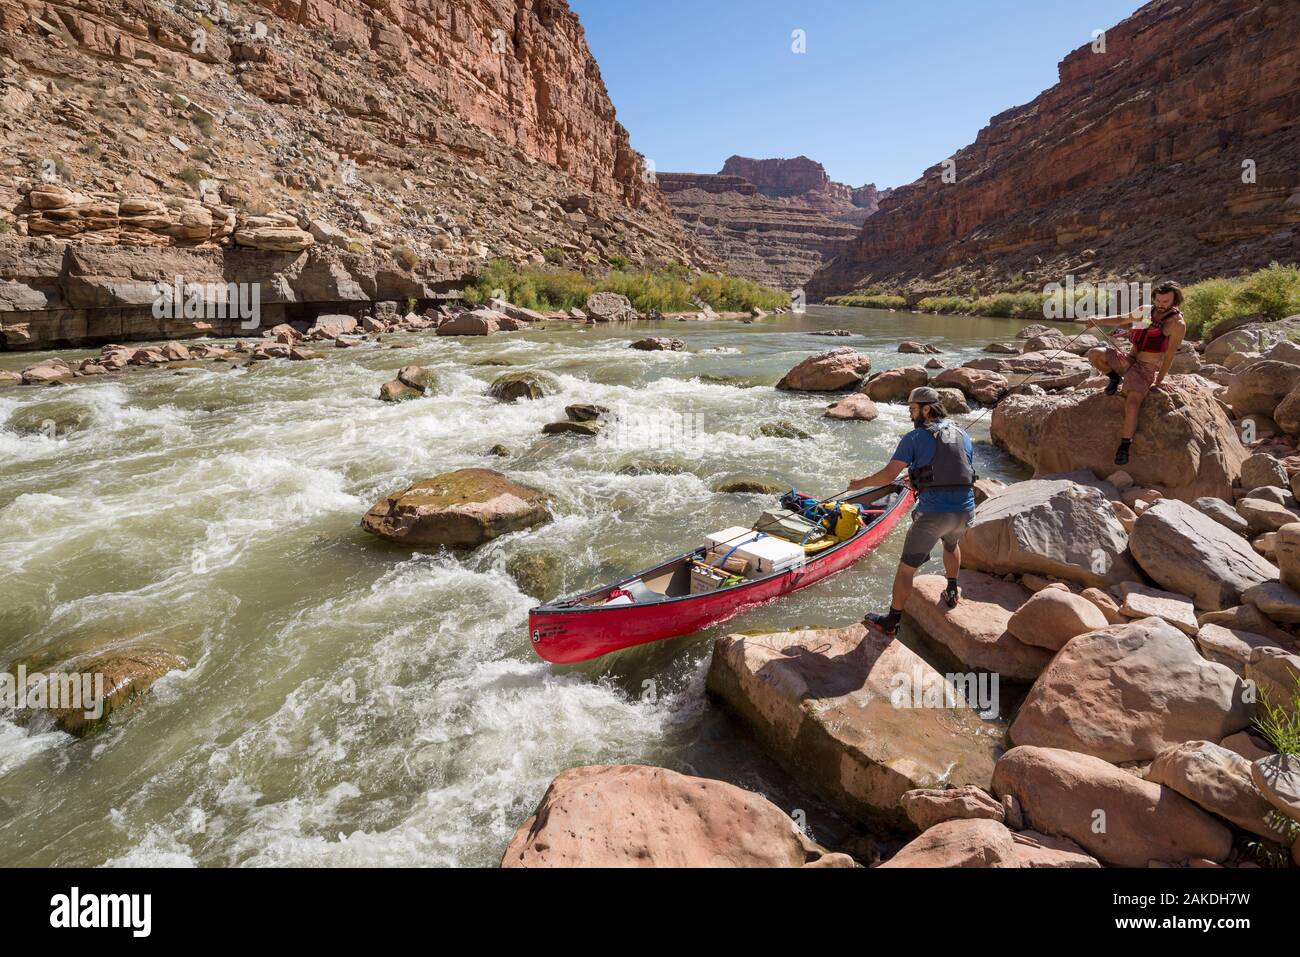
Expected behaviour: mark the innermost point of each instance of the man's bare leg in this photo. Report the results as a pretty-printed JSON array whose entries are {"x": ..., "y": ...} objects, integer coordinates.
[{"x": 903, "y": 585}]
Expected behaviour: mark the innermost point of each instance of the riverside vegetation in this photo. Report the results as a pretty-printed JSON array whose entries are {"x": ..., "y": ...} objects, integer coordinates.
[{"x": 1271, "y": 293}]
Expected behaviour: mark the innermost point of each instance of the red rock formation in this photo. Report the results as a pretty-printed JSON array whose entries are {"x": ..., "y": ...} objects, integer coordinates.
[
  {"x": 774, "y": 221},
  {"x": 1131, "y": 165}
]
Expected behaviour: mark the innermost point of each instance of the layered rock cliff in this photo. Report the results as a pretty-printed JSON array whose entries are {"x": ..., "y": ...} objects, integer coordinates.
[
  {"x": 774, "y": 220},
  {"x": 1174, "y": 151},
  {"x": 335, "y": 151}
]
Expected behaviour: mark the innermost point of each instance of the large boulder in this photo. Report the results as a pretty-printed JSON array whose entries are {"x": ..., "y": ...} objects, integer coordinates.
[
  {"x": 895, "y": 385},
  {"x": 1053, "y": 616},
  {"x": 1185, "y": 551},
  {"x": 833, "y": 371},
  {"x": 856, "y": 407},
  {"x": 961, "y": 843},
  {"x": 609, "y": 307},
  {"x": 1114, "y": 815},
  {"x": 639, "y": 816},
  {"x": 1054, "y": 528},
  {"x": 1261, "y": 386},
  {"x": 978, "y": 385},
  {"x": 1127, "y": 692},
  {"x": 926, "y": 807},
  {"x": 513, "y": 386},
  {"x": 1230, "y": 647},
  {"x": 1185, "y": 443},
  {"x": 461, "y": 509},
  {"x": 481, "y": 322},
  {"x": 976, "y": 630},
  {"x": 1216, "y": 779},
  {"x": 1278, "y": 778},
  {"x": 838, "y": 707}
]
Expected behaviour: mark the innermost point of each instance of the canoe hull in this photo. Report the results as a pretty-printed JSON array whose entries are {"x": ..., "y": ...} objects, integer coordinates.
[{"x": 572, "y": 635}]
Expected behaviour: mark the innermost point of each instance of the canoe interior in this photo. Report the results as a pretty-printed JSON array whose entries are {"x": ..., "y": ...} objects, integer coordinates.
[{"x": 672, "y": 579}]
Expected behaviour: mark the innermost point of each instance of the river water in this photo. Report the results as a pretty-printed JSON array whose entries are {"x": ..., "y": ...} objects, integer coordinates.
[{"x": 350, "y": 703}]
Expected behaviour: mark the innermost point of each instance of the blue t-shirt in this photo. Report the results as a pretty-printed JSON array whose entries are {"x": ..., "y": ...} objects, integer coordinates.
[{"x": 917, "y": 450}]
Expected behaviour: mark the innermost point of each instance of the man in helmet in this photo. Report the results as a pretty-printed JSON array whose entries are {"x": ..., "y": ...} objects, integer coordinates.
[{"x": 940, "y": 461}]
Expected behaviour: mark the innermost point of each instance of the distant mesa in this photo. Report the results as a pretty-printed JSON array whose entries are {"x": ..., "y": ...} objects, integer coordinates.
[{"x": 775, "y": 221}]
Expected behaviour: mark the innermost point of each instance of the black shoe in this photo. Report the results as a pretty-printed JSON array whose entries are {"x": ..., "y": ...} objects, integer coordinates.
[
  {"x": 1114, "y": 383},
  {"x": 886, "y": 623},
  {"x": 951, "y": 595},
  {"x": 1121, "y": 457}
]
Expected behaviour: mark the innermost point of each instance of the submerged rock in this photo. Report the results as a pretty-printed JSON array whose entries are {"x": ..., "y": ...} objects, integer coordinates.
[
  {"x": 745, "y": 485},
  {"x": 572, "y": 428},
  {"x": 638, "y": 816},
  {"x": 461, "y": 509},
  {"x": 514, "y": 386},
  {"x": 823, "y": 702},
  {"x": 857, "y": 407}
]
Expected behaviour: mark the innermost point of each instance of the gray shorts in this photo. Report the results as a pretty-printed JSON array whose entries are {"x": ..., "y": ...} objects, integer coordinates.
[{"x": 928, "y": 529}]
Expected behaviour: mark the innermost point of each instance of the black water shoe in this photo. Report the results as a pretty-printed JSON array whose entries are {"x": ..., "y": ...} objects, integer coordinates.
[
  {"x": 886, "y": 623},
  {"x": 1121, "y": 457},
  {"x": 952, "y": 594},
  {"x": 1114, "y": 383}
]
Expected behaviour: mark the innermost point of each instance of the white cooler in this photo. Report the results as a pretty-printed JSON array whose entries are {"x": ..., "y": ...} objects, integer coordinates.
[{"x": 767, "y": 555}]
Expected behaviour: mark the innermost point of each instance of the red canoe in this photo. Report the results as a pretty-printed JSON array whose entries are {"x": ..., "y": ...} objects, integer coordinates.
[{"x": 582, "y": 628}]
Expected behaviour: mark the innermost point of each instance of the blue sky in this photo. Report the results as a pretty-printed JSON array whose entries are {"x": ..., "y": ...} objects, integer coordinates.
[{"x": 885, "y": 89}]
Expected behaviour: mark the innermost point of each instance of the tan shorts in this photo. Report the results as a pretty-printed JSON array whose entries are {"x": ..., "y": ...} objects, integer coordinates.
[
  {"x": 930, "y": 528},
  {"x": 1139, "y": 377}
]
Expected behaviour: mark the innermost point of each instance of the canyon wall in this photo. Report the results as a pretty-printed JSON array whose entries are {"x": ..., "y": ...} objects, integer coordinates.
[
  {"x": 1172, "y": 152},
  {"x": 775, "y": 221},
  {"x": 335, "y": 151}
]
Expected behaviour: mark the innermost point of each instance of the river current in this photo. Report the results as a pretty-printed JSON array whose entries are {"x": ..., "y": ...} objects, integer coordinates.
[{"x": 349, "y": 703}]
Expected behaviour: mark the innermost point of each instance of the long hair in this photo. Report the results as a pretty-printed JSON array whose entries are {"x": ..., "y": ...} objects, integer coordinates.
[{"x": 1169, "y": 286}]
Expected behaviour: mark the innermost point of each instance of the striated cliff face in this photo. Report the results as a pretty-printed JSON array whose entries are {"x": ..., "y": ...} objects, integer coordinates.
[
  {"x": 1132, "y": 165},
  {"x": 336, "y": 151},
  {"x": 775, "y": 220}
]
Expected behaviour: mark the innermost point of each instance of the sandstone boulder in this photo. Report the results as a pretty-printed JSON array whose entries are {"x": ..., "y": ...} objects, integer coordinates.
[
  {"x": 1183, "y": 551},
  {"x": 1278, "y": 779},
  {"x": 1052, "y": 617},
  {"x": 856, "y": 407},
  {"x": 1287, "y": 549},
  {"x": 1054, "y": 528},
  {"x": 976, "y": 630},
  {"x": 513, "y": 386},
  {"x": 1116, "y": 816},
  {"x": 1185, "y": 443},
  {"x": 1261, "y": 386},
  {"x": 977, "y": 384},
  {"x": 461, "y": 509},
  {"x": 919, "y": 348},
  {"x": 824, "y": 702},
  {"x": 895, "y": 385},
  {"x": 1141, "y": 602},
  {"x": 1223, "y": 513},
  {"x": 1260, "y": 470},
  {"x": 1216, "y": 779},
  {"x": 1265, "y": 515},
  {"x": 833, "y": 371},
  {"x": 962, "y": 843},
  {"x": 1230, "y": 647},
  {"x": 480, "y": 323},
  {"x": 926, "y": 807},
  {"x": 1127, "y": 692},
  {"x": 659, "y": 344},
  {"x": 638, "y": 816},
  {"x": 748, "y": 485},
  {"x": 609, "y": 307}
]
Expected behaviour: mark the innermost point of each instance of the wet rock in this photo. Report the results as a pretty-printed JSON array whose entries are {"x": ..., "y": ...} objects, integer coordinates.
[
  {"x": 638, "y": 816},
  {"x": 500, "y": 451},
  {"x": 1216, "y": 779},
  {"x": 417, "y": 377},
  {"x": 48, "y": 372},
  {"x": 856, "y": 407},
  {"x": 299, "y": 354},
  {"x": 1003, "y": 348},
  {"x": 461, "y": 509},
  {"x": 782, "y": 430},
  {"x": 1127, "y": 692},
  {"x": 1054, "y": 528},
  {"x": 1062, "y": 793},
  {"x": 586, "y": 429},
  {"x": 820, "y": 700},
  {"x": 538, "y": 575},
  {"x": 976, "y": 630},
  {"x": 954, "y": 401},
  {"x": 919, "y": 348},
  {"x": 585, "y": 413},
  {"x": 1183, "y": 551},
  {"x": 514, "y": 386},
  {"x": 659, "y": 344},
  {"x": 746, "y": 485},
  {"x": 834, "y": 371},
  {"x": 395, "y": 390}
]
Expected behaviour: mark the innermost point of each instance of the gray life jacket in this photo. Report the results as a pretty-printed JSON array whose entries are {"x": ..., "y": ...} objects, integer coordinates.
[{"x": 951, "y": 467}]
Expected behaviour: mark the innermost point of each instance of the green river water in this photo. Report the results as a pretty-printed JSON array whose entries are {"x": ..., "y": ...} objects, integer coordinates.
[{"x": 349, "y": 703}]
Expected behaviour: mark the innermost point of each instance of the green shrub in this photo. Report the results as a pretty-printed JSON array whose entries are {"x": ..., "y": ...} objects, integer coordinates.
[
  {"x": 869, "y": 301},
  {"x": 949, "y": 305},
  {"x": 1272, "y": 292},
  {"x": 553, "y": 255},
  {"x": 619, "y": 261},
  {"x": 1202, "y": 301}
]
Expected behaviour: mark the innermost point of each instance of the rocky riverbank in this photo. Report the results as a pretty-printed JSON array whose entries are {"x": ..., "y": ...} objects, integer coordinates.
[{"x": 1145, "y": 620}]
